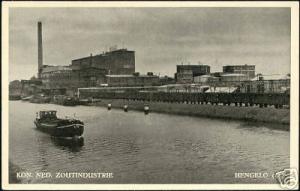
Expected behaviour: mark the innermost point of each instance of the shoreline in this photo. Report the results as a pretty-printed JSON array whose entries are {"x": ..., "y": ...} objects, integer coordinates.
[{"x": 248, "y": 114}]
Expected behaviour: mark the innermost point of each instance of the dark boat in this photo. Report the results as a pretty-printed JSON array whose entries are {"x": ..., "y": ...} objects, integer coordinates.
[
  {"x": 48, "y": 122},
  {"x": 26, "y": 98},
  {"x": 70, "y": 101},
  {"x": 65, "y": 100},
  {"x": 39, "y": 98},
  {"x": 88, "y": 101}
]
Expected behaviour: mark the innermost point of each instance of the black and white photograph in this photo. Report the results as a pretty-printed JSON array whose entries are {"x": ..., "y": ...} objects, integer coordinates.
[{"x": 150, "y": 95}]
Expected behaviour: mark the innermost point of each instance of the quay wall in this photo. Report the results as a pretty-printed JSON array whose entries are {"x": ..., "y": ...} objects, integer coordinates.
[
  {"x": 277, "y": 100},
  {"x": 254, "y": 114}
]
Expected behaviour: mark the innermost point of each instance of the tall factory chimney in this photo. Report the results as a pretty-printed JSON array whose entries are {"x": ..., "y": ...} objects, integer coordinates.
[{"x": 40, "y": 49}]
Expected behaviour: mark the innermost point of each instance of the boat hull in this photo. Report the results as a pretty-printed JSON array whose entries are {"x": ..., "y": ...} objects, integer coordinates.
[
  {"x": 66, "y": 101},
  {"x": 70, "y": 130}
]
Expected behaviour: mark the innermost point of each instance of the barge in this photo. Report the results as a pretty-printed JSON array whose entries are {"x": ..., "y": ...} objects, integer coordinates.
[{"x": 48, "y": 122}]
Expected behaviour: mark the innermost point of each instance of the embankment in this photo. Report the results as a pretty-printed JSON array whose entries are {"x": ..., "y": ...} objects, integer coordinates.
[{"x": 254, "y": 114}]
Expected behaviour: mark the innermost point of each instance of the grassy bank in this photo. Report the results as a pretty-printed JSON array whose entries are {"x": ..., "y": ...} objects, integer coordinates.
[{"x": 254, "y": 114}]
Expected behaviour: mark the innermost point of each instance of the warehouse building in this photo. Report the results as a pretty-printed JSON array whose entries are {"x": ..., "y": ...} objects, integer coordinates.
[
  {"x": 115, "y": 62},
  {"x": 15, "y": 87},
  {"x": 132, "y": 80},
  {"x": 186, "y": 73},
  {"x": 30, "y": 87},
  {"x": 197, "y": 70},
  {"x": 267, "y": 84},
  {"x": 247, "y": 70},
  {"x": 63, "y": 77},
  {"x": 185, "y": 76}
]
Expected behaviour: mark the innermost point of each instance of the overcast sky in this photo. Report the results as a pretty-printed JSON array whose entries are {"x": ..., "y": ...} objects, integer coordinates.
[{"x": 161, "y": 37}]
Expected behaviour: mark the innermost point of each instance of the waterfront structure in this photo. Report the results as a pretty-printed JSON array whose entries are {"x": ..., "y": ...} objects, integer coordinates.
[
  {"x": 15, "y": 87},
  {"x": 248, "y": 70},
  {"x": 30, "y": 87},
  {"x": 267, "y": 84},
  {"x": 223, "y": 79},
  {"x": 25, "y": 87},
  {"x": 211, "y": 95},
  {"x": 115, "y": 62},
  {"x": 221, "y": 89},
  {"x": 232, "y": 76},
  {"x": 186, "y": 88},
  {"x": 132, "y": 80}
]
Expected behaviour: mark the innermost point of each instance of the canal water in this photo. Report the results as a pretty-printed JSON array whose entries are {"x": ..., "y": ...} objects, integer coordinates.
[{"x": 154, "y": 148}]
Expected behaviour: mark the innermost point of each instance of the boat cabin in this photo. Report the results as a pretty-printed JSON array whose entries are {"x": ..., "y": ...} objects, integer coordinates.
[{"x": 47, "y": 115}]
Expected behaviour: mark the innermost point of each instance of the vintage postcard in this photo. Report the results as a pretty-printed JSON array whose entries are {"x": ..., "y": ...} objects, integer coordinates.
[{"x": 150, "y": 95}]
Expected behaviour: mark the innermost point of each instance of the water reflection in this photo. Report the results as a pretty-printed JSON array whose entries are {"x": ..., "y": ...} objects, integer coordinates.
[
  {"x": 259, "y": 125},
  {"x": 43, "y": 152},
  {"x": 73, "y": 145}
]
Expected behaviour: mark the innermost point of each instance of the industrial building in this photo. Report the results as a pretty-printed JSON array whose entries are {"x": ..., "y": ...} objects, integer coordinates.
[
  {"x": 184, "y": 76},
  {"x": 197, "y": 70},
  {"x": 88, "y": 71},
  {"x": 267, "y": 84},
  {"x": 248, "y": 70},
  {"x": 63, "y": 77},
  {"x": 116, "y": 68},
  {"x": 132, "y": 80},
  {"x": 186, "y": 73},
  {"x": 119, "y": 61},
  {"x": 15, "y": 87},
  {"x": 164, "y": 80}
]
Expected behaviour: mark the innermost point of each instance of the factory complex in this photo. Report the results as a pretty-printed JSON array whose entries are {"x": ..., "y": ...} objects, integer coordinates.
[{"x": 116, "y": 68}]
